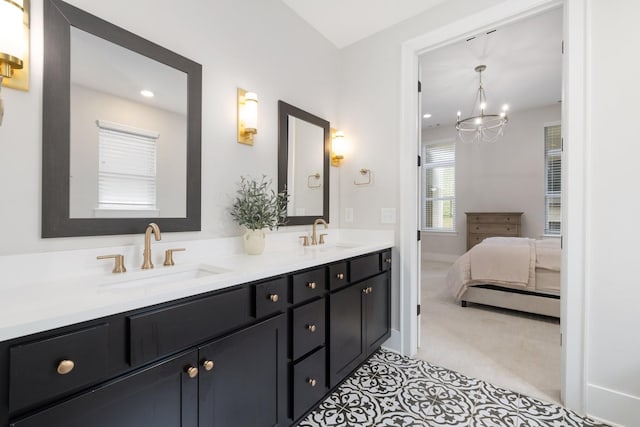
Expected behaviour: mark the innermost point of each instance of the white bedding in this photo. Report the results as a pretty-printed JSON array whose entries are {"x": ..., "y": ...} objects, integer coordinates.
[{"x": 506, "y": 261}]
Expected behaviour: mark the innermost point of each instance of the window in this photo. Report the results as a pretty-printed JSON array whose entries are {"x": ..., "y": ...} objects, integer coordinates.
[
  {"x": 439, "y": 187},
  {"x": 553, "y": 178},
  {"x": 126, "y": 167}
]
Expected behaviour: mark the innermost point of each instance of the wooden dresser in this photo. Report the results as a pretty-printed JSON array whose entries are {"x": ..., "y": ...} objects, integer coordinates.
[{"x": 481, "y": 225}]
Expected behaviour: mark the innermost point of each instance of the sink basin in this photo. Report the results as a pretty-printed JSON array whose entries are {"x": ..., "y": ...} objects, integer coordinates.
[
  {"x": 161, "y": 276},
  {"x": 333, "y": 247}
]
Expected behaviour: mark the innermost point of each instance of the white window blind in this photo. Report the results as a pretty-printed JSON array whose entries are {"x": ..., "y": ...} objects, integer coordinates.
[
  {"x": 126, "y": 167},
  {"x": 439, "y": 187},
  {"x": 553, "y": 178}
]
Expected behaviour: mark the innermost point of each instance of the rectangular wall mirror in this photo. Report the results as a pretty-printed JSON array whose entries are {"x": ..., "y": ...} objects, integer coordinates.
[
  {"x": 303, "y": 163},
  {"x": 121, "y": 130}
]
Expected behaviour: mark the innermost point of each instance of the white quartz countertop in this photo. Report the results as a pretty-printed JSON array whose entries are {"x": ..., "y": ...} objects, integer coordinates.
[{"x": 55, "y": 297}]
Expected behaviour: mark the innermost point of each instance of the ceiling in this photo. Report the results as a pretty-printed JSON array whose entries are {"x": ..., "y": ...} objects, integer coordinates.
[
  {"x": 524, "y": 70},
  {"x": 344, "y": 22}
]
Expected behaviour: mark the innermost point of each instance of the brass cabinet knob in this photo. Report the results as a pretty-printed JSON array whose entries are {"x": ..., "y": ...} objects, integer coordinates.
[
  {"x": 311, "y": 285},
  {"x": 387, "y": 260},
  {"x": 311, "y": 328},
  {"x": 65, "y": 366},
  {"x": 365, "y": 291},
  {"x": 340, "y": 276},
  {"x": 274, "y": 297},
  {"x": 208, "y": 365},
  {"x": 369, "y": 289},
  {"x": 312, "y": 382},
  {"x": 192, "y": 371}
]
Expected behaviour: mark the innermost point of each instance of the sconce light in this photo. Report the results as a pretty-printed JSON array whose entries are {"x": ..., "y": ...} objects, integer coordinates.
[
  {"x": 338, "y": 147},
  {"x": 13, "y": 43},
  {"x": 247, "y": 116}
]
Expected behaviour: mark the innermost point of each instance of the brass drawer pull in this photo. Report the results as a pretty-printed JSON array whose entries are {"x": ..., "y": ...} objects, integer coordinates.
[
  {"x": 340, "y": 276},
  {"x": 311, "y": 328},
  {"x": 65, "y": 366},
  {"x": 274, "y": 297},
  {"x": 208, "y": 365},
  {"x": 312, "y": 382},
  {"x": 311, "y": 285},
  {"x": 192, "y": 371}
]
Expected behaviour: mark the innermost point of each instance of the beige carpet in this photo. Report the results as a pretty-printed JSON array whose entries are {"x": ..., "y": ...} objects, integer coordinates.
[{"x": 517, "y": 351}]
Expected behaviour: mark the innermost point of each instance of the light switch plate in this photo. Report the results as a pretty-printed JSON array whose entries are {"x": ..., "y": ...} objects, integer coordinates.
[
  {"x": 348, "y": 214},
  {"x": 388, "y": 215}
]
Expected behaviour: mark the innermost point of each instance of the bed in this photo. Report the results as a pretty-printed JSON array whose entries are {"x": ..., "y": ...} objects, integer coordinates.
[{"x": 510, "y": 272}]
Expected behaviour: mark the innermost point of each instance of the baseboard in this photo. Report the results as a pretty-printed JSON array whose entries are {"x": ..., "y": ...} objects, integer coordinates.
[
  {"x": 612, "y": 407},
  {"x": 438, "y": 257},
  {"x": 393, "y": 343}
]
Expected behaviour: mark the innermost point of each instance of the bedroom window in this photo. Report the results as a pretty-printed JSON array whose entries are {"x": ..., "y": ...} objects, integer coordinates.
[
  {"x": 439, "y": 187},
  {"x": 126, "y": 168},
  {"x": 553, "y": 178}
]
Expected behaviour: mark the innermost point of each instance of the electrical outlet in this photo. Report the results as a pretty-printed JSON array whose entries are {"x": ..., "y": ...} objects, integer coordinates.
[
  {"x": 388, "y": 215},
  {"x": 348, "y": 214}
]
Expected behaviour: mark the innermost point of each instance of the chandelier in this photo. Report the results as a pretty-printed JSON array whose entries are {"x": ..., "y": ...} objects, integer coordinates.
[{"x": 480, "y": 126}]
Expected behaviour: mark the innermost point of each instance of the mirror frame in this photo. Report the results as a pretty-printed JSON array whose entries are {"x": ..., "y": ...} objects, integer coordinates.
[
  {"x": 59, "y": 17},
  {"x": 284, "y": 111}
]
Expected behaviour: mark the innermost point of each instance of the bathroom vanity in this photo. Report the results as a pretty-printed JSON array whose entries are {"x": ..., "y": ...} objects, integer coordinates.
[{"x": 261, "y": 352}]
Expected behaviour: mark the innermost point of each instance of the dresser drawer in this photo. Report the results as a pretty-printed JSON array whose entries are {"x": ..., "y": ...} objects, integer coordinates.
[
  {"x": 44, "y": 369},
  {"x": 502, "y": 229},
  {"x": 270, "y": 297},
  {"x": 160, "y": 332},
  {"x": 363, "y": 267},
  {"x": 338, "y": 276},
  {"x": 309, "y": 382},
  {"x": 308, "y": 327},
  {"x": 494, "y": 218},
  {"x": 308, "y": 285}
]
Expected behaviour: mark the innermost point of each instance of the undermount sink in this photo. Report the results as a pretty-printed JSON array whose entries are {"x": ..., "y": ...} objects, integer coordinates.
[
  {"x": 161, "y": 276},
  {"x": 333, "y": 247}
]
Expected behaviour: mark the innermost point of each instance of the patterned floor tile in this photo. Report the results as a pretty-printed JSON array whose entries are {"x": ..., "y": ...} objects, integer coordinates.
[{"x": 391, "y": 390}]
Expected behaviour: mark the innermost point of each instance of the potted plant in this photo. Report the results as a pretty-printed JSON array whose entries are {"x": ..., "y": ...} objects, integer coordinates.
[{"x": 256, "y": 207}]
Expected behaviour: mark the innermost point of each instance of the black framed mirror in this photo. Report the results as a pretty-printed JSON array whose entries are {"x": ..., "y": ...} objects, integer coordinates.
[
  {"x": 115, "y": 158},
  {"x": 304, "y": 154}
]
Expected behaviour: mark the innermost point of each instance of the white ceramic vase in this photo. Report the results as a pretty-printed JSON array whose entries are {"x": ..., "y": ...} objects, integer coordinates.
[{"x": 254, "y": 242}]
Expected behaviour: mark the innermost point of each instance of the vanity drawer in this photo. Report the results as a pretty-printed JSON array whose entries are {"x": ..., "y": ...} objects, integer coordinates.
[
  {"x": 309, "y": 382},
  {"x": 385, "y": 260},
  {"x": 37, "y": 370},
  {"x": 363, "y": 267},
  {"x": 308, "y": 285},
  {"x": 161, "y": 332},
  {"x": 271, "y": 297},
  {"x": 338, "y": 276},
  {"x": 308, "y": 327}
]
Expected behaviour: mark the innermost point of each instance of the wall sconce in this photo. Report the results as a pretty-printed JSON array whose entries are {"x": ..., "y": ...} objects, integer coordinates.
[
  {"x": 338, "y": 147},
  {"x": 14, "y": 33},
  {"x": 247, "y": 116}
]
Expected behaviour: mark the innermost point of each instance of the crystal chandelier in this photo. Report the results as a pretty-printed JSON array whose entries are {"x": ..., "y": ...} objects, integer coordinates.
[{"x": 480, "y": 126}]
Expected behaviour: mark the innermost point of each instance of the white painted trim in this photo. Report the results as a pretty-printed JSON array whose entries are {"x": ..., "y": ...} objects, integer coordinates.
[
  {"x": 437, "y": 257},
  {"x": 613, "y": 407},
  {"x": 439, "y": 141},
  {"x": 573, "y": 262},
  {"x": 393, "y": 343}
]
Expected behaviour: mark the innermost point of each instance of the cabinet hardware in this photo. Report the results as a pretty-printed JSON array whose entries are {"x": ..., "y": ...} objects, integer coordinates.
[
  {"x": 65, "y": 366},
  {"x": 208, "y": 365},
  {"x": 311, "y": 328},
  {"x": 340, "y": 276},
  {"x": 192, "y": 371},
  {"x": 168, "y": 256},
  {"x": 369, "y": 289},
  {"x": 387, "y": 260},
  {"x": 311, "y": 285},
  {"x": 118, "y": 266},
  {"x": 364, "y": 291},
  {"x": 274, "y": 297},
  {"x": 312, "y": 382}
]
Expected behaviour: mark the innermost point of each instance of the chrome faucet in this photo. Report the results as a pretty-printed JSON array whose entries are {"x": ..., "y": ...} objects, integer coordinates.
[
  {"x": 151, "y": 228},
  {"x": 314, "y": 236}
]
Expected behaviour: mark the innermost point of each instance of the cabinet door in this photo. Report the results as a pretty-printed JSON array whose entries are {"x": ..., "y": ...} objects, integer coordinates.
[
  {"x": 346, "y": 330},
  {"x": 246, "y": 385},
  {"x": 378, "y": 315},
  {"x": 162, "y": 394}
]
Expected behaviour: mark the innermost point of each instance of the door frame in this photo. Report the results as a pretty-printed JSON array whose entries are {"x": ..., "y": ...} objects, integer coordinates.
[{"x": 576, "y": 101}]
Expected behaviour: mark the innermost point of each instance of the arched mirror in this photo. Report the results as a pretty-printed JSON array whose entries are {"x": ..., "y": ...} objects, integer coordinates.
[
  {"x": 121, "y": 130},
  {"x": 303, "y": 163}
]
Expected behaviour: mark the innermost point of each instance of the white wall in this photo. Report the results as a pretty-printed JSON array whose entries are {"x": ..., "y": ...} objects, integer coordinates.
[
  {"x": 259, "y": 45},
  {"x": 613, "y": 292},
  {"x": 504, "y": 176}
]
